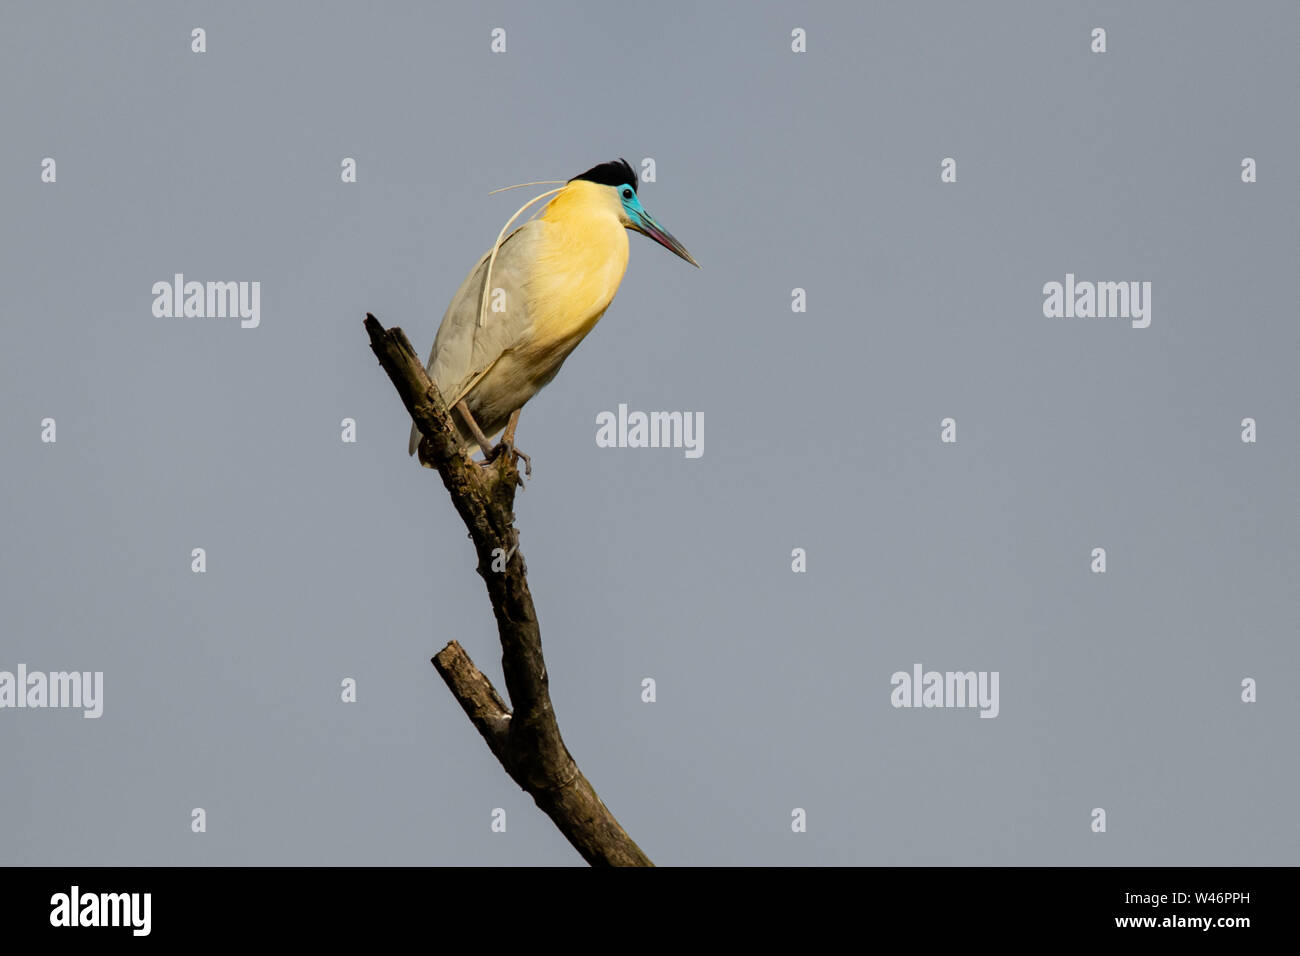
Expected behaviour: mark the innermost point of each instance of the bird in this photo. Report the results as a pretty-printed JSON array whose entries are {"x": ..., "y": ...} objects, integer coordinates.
[{"x": 531, "y": 299}]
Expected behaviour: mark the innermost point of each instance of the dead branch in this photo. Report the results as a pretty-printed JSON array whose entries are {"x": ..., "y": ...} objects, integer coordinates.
[{"x": 526, "y": 740}]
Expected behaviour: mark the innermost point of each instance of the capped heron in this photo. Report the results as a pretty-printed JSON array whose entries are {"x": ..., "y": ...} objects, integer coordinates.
[{"x": 532, "y": 298}]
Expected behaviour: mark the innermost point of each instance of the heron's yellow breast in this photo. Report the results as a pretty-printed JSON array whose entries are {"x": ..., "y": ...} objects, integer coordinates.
[
  {"x": 578, "y": 261},
  {"x": 578, "y": 268}
]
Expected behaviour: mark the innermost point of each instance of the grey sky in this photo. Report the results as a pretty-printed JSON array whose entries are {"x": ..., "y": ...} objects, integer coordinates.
[{"x": 777, "y": 170}]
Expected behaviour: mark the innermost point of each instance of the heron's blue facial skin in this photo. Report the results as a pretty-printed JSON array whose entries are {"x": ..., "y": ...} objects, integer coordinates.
[{"x": 644, "y": 223}]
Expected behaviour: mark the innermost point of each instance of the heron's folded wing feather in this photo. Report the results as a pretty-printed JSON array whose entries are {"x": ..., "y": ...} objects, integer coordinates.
[{"x": 463, "y": 352}]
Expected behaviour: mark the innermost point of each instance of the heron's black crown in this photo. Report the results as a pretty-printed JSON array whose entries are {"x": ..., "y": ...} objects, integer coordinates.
[{"x": 611, "y": 174}]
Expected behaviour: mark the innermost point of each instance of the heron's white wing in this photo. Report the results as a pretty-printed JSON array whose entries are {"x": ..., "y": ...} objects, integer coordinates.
[{"x": 463, "y": 351}]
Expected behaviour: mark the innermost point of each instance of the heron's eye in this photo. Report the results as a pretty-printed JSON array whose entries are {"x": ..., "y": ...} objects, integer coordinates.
[{"x": 627, "y": 194}]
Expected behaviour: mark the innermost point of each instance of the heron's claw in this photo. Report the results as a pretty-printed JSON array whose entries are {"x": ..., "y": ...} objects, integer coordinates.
[
  {"x": 508, "y": 446},
  {"x": 516, "y": 454}
]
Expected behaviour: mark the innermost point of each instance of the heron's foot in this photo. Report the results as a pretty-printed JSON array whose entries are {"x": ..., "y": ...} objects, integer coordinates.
[
  {"x": 516, "y": 454},
  {"x": 508, "y": 445}
]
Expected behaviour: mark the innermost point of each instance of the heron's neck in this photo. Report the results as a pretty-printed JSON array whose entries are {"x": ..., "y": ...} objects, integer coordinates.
[
  {"x": 583, "y": 205},
  {"x": 587, "y": 235},
  {"x": 579, "y": 262}
]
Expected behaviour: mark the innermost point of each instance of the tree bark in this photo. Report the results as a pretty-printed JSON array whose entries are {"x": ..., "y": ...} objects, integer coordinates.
[{"x": 525, "y": 739}]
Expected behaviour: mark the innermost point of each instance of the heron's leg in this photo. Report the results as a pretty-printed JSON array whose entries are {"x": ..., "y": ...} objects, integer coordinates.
[
  {"x": 509, "y": 434},
  {"x": 508, "y": 439},
  {"x": 484, "y": 445}
]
